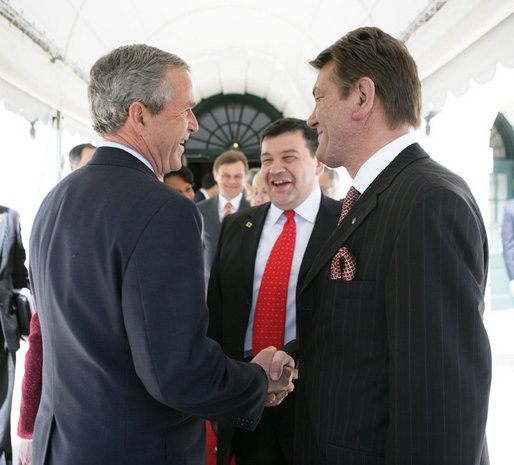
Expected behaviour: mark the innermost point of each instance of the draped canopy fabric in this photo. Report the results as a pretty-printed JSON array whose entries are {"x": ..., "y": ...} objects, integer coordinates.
[{"x": 237, "y": 46}]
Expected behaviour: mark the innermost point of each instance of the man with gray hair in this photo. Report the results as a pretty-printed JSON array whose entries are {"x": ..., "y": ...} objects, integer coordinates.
[{"x": 116, "y": 263}]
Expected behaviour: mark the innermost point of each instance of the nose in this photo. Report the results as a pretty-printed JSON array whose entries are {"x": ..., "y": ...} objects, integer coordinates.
[
  {"x": 312, "y": 121},
  {"x": 193, "y": 123},
  {"x": 276, "y": 166}
]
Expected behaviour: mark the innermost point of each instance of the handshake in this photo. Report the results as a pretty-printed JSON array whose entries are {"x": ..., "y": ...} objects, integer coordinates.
[{"x": 281, "y": 372}]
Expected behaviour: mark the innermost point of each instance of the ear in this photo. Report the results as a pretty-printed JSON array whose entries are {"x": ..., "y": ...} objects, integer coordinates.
[
  {"x": 320, "y": 167},
  {"x": 364, "y": 94},
  {"x": 136, "y": 117}
]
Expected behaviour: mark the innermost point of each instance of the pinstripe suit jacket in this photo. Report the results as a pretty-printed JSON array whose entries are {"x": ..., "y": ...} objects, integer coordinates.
[{"x": 395, "y": 365}]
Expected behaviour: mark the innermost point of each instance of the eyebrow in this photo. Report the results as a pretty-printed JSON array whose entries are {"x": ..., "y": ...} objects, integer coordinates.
[{"x": 280, "y": 153}]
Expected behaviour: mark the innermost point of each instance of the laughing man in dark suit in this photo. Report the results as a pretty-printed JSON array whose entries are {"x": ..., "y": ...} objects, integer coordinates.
[
  {"x": 116, "y": 264},
  {"x": 395, "y": 362},
  {"x": 290, "y": 172}
]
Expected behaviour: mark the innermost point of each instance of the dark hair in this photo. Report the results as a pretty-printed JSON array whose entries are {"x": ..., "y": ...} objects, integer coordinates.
[
  {"x": 76, "y": 152},
  {"x": 285, "y": 125},
  {"x": 185, "y": 173},
  {"x": 208, "y": 181},
  {"x": 370, "y": 52},
  {"x": 229, "y": 157}
]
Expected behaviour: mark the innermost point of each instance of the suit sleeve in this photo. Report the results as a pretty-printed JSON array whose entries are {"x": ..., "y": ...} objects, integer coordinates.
[
  {"x": 165, "y": 315},
  {"x": 214, "y": 297},
  {"x": 32, "y": 381},
  {"x": 20, "y": 276},
  {"x": 508, "y": 239},
  {"x": 439, "y": 354}
]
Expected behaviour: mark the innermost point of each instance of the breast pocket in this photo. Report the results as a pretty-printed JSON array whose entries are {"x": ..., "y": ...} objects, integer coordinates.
[
  {"x": 350, "y": 290},
  {"x": 339, "y": 455}
]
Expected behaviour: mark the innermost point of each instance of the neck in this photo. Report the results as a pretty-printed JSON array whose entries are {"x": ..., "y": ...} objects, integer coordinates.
[
  {"x": 138, "y": 144},
  {"x": 372, "y": 143}
]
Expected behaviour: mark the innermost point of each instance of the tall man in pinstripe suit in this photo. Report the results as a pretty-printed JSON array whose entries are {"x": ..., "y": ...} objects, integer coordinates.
[{"x": 395, "y": 363}]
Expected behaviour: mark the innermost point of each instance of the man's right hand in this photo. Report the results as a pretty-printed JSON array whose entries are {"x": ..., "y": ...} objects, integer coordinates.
[
  {"x": 25, "y": 452},
  {"x": 281, "y": 372}
]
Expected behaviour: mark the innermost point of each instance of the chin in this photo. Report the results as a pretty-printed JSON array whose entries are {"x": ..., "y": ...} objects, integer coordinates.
[{"x": 175, "y": 165}]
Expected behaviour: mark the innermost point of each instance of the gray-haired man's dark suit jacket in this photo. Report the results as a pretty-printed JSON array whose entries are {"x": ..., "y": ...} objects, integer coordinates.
[
  {"x": 116, "y": 262},
  {"x": 395, "y": 366}
]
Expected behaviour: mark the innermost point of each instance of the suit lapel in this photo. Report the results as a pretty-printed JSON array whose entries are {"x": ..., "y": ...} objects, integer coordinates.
[
  {"x": 326, "y": 221},
  {"x": 244, "y": 203},
  {"x": 366, "y": 203},
  {"x": 4, "y": 222},
  {"x": 211, "y": 215},
  {"x": 251, "y": 230}
]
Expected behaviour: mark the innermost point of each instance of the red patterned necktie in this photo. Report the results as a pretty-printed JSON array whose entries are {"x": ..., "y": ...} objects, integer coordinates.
[
  {"x": 228, "y": 209},
  {"x": 343, "y": 265},
  {"x": 270, "y": 310}
]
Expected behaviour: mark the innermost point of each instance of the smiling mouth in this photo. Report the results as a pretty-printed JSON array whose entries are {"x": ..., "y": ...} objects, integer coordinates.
[{"x": 279, "y": 182}]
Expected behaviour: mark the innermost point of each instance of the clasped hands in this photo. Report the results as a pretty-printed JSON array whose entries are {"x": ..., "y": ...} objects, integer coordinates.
[{"x": 281, "y": 371}]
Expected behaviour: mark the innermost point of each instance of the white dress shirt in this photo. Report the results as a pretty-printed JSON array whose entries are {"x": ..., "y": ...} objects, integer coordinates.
[
  {"x": 140, "y": 157},
  {"x": 304, "y": 217},
  {"x": 369, "y": 171},
  {"x": 222, "y": 203}
]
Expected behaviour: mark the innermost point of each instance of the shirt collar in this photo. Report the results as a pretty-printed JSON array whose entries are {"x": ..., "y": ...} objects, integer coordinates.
[
  {"x": 116, "y": 145},
  {"x": 234, "y": 202},
  {"x": 369, "y": 171},
  {"x": 308, "y": 209}
]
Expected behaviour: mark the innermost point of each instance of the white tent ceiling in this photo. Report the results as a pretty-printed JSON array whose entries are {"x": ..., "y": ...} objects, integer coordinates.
[{"x": 47, "y": 47}]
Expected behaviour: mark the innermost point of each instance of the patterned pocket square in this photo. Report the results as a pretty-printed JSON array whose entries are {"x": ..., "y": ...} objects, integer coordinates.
[{"x": 343, "y": 265}]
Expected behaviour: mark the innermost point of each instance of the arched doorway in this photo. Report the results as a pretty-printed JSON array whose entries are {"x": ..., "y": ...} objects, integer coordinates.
[{"x": 228, "y": 121}]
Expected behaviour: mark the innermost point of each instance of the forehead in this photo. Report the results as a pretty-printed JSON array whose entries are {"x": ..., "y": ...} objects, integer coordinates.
[
  {"x": 324, "y": 79},
  {"x": 232, "y": 168},
  {"x": 176, "y": 180},
  {"x": 287, "y": 142},
  {"x": 182, "y": 85}
]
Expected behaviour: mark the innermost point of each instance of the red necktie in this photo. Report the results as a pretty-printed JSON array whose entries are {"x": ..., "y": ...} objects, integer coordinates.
[
  {"x": 228, "y": 209},
  {"x": 270, "y": 310},
  {"x": 343, "y": 265}
]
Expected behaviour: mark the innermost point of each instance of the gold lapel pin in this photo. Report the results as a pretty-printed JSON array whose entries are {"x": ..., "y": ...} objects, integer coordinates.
[
  {"x": 249, "y": 224},
  {"x": 354, "y": 220}
]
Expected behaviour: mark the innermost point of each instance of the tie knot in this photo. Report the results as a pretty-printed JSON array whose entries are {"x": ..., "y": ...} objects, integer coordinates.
[
  {"x": 352, "y": 195},
  {"x": 289, "y": 215},
  {"x": 228, "y": 206}
]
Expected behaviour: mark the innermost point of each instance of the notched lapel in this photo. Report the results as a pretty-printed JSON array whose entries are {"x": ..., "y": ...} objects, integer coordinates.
[
  {"x": 251, "y": 229},
  {"x": 362, "y": 208},
  {"x": 326, "y": 222},
  {"x": 366, "y": 203}
]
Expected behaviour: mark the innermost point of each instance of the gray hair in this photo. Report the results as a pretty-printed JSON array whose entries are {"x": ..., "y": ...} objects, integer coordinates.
[{"x": 133, "y": 73}]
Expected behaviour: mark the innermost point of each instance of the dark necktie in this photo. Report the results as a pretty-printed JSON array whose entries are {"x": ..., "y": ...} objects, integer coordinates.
[{"x": 343, "y": 265}]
